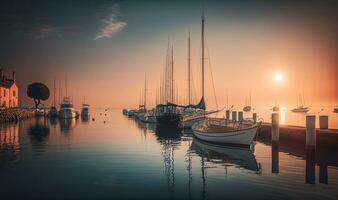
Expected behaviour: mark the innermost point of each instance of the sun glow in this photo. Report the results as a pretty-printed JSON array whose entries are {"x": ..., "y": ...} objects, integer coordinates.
[{"x": 279, "y": 77}]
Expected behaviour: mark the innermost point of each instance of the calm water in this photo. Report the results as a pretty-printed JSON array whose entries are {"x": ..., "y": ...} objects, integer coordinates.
[{"x": 116, "y": 157}]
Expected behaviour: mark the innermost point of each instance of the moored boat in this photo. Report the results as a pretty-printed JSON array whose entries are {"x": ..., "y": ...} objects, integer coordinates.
[
  {"x": 53, "y": 112},
  {"x": 85, "y": 110},
  {"x": 222, "y": 131},
  {"x": 67, "y": 110}
]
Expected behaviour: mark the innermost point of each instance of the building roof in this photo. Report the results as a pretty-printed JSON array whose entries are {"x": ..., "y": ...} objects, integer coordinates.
[{"x": 7, "y": 83}]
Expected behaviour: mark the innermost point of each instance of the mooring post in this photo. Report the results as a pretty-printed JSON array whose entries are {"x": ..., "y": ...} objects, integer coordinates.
[
  {"x": 227, "y": 115},
  {"x": 234, "y": 116},
  {"x": 275, "y": 127},
  {"x": 240, "y": 116},
  {"x": 254, "y": 117},
  {"x": 323, "y": 122},
  {"x": 311, "y": 131}
]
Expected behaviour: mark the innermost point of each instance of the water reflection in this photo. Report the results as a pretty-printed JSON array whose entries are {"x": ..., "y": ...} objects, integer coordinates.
[
  {"x": 310, "y": 172},
  {"x": 169, "y": 139},
  {"x": 10, "y": 140},
  {"x": 39, "y": 131},
  {"x": 66, "y": 125},
  {"x": 225, "y": 155}
]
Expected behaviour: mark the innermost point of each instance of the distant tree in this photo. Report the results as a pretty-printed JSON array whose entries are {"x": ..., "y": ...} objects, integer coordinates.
[{"x": 39, "y": 92}]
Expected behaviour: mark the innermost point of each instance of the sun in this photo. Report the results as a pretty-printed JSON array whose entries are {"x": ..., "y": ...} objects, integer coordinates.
[{"x": 279, "y": 77}]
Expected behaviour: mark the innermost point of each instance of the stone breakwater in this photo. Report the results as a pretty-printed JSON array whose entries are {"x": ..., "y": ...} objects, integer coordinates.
[{"x": 15, "y": 114}]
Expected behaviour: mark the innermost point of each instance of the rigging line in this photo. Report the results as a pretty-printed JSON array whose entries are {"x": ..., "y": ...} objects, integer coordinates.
[{"x": 212, "y": 77}]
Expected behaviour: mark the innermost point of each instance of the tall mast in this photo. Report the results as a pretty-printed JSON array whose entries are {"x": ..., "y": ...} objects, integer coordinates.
[
  {"x": 145, "y": 90},
  {"x": 66, "y": 86},
  {"x": 189, "y": 70},
  {"x": 203, "y": 54},
  {"x": 60, "y": 93},
  {"x": 172, "y": 73},
  {"x": 54, "y": 93}
]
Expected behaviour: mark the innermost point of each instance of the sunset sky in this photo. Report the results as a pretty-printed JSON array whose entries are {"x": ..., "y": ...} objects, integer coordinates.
[{"x": 272, "y": 50}]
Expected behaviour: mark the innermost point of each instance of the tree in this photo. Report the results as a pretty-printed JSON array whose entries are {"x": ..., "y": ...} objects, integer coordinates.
[{"x": 38, "y": 92}]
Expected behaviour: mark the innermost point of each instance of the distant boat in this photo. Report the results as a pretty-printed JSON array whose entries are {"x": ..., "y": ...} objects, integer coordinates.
[
  {"x": 125, "y": 111},
  {"x": 300, "y": 106},
  {"x": 247, "y": 107},
  {"x": 67, "y": 110},
  {"x": 275, "y": 109},
  {"x": 85, "y": 110},
  {"x": 53, "y": 112},
  {"x": 40, "y": 112},
  {"x": 221, "y": 131},
  {"x": 335, "y": 110}
]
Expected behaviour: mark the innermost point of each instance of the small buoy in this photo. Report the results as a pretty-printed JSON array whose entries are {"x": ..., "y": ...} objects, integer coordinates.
[
  {"x": 105, "y": 114},
  {"x": 104, "y": 122},
  {"x": 93, "y": 119}
]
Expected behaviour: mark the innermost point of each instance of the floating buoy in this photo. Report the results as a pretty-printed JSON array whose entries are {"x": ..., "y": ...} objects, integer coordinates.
[
  {"x": 104, "y": 122},
  {"x": 105, "y": 114},
  {"x": 93, "y": 119}
]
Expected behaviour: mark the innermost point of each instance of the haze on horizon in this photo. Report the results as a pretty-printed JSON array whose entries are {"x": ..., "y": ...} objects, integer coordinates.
[{"x": 106, "y": 47}]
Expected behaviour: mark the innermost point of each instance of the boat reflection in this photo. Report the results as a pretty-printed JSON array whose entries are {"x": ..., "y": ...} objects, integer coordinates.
[
  {"x": 222, "y": 154},
  {"x": 310, "y": 172},
  {"x": 39, "y": 131},
  {"x": 66, "y": 125}
]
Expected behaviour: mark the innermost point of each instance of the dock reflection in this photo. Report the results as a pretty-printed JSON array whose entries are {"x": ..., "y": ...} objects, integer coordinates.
[{"x": 275, "y": 157}]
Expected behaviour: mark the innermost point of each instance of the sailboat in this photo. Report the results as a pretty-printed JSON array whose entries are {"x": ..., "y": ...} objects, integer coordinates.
[
  {"x": 143, "y": 114},
  {"x": 195, "y": 113},
  {"x": 300, "y": 106},
  {"x": 221, "y": 130},
  {"x": 247, "y": 106},
  {"x": 167, "y": 112},
  {"x": 53, "y": 112}
]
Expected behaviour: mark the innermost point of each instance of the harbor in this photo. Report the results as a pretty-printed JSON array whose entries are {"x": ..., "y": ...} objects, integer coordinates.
[
  {"x": 97, "y": 156},
  {"x": 193, "y": 100}
]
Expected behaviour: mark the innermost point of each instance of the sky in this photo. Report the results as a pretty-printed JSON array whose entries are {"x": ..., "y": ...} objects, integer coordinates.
[{"x": 272, "y": 51}]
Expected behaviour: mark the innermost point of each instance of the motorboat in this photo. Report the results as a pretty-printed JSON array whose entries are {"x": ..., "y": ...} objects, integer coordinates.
[
  {"x": 85, "y": 110},
  {"x": 220, "y": 130},
  {"x": 67, "y": 110}
]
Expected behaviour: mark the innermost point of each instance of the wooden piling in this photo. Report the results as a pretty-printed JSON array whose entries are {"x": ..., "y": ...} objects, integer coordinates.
[
  {"x": 275, "y": 127},
  {"x": 311, "y": 131},
  {"x": 323, "y": 122},
  {"x": 234, "y": 116}
]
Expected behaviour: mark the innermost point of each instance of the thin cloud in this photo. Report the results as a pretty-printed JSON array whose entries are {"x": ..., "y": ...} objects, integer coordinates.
[
  {"x": 44, "y": 32},
  {"x": 111, "y": 25}
]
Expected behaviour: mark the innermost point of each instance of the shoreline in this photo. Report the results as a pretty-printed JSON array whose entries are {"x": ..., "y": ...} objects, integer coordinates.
[{"x": 15, "y": 114}]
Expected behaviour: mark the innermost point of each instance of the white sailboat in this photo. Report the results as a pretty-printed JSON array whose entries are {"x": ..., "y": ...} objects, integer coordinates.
[
  {"x": 221, "y": 130},
  {"x": 300, "y": 106}
]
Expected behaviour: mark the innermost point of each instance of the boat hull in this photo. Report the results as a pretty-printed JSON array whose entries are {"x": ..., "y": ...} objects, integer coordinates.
[
  {"x": 241, "y": 137},
  {"x": 168, "y": 120},
  {"x": 67, "y": 114}
]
